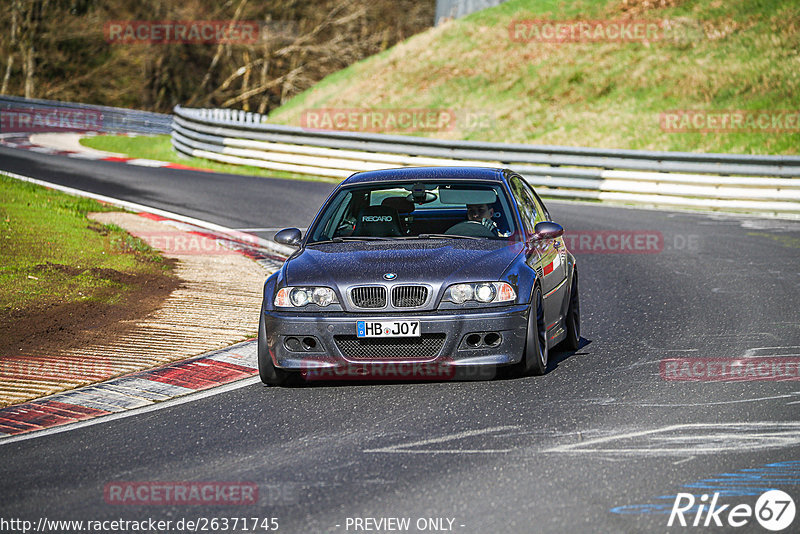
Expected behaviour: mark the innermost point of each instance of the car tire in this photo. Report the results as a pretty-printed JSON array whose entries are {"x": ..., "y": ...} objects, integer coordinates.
[
  {"x": 573, "y": 319},
  {"x": 536, "y": 353},
  {"x": 269, "y": 374}
]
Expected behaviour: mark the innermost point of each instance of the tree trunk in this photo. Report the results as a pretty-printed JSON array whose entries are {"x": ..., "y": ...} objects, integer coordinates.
[
  {"x": 30, "y": 67},
  {"x": 15, "y": 7},
  {"x": 7, "y": 76}
]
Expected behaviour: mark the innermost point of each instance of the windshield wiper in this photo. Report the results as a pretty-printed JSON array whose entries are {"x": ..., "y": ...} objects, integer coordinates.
[
  {"x": 445, "y": 236},
  {"x": 342, "y": 239}
]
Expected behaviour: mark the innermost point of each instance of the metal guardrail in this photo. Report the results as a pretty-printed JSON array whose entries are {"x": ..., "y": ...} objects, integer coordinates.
[
  {"x": 752, "y": 183},
  {"x": 455, "y": 9},
  {"x": 63, "y": 116},
  {"x": 252, "y": 126}
]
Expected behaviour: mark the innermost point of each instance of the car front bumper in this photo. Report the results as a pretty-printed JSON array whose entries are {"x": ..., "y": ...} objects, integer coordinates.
[{"x": 486, "y": 337}]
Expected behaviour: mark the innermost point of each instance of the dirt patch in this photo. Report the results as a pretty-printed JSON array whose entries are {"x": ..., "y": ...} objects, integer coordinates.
[
  {"x": 641, "y": 6},
  {"x": 210, "y": 301},
  {"x": 59, "y": 326},
  {"x": 104, "y": 273}
]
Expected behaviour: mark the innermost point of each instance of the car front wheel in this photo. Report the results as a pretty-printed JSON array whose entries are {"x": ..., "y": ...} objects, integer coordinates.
[
  {"x": 573, "y": 319},
  {"x": 536, "y": 353},
  {"x": 269, "y": 374}
]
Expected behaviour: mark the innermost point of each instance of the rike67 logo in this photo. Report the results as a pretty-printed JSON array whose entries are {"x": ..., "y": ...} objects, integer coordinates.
[{"x": 774, "y": 510}]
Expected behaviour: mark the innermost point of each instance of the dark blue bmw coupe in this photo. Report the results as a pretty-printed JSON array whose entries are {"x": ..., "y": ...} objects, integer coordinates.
[{"x": 437, "y": 269}]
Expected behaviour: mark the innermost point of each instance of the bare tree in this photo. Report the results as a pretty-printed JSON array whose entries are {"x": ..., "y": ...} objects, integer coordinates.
[
  {"x": 57, "y": 49},
  {"x": 16, "y": 8}
]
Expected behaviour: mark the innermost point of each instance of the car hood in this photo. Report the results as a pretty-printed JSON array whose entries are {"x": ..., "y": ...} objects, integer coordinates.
[{"x": 446, "y": 261}]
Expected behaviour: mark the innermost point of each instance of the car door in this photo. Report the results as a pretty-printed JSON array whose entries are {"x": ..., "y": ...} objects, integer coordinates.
[
  {"x": 543, "y": 255},
  {"x": 558, "y": 270}
]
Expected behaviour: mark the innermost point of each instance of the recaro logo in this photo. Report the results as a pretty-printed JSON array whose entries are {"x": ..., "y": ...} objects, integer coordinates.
[{"x": 377, "y": 218}]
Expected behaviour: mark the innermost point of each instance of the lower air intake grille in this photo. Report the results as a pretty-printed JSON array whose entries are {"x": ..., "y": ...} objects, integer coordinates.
[
  {"x": 412, "y": 348},
  {"x": 368, "y": 296}
]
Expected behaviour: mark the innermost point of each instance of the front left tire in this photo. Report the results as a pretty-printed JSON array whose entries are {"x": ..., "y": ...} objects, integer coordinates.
[
  {"x": 535, "y": 356},
  {"x": 573, "y": 319},
  {"x": 269, "y": 374}
]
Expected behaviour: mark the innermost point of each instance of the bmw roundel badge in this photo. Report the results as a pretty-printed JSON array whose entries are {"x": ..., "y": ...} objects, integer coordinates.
[{"x": 390, "y": 276}]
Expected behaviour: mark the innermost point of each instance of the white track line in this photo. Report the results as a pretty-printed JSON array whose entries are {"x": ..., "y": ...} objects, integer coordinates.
[
  {"x": 264, "y": 229},
  {"x": 584, "y": 446},
  {"x": 133, "y": 206},
  {"x": 191, "y": 397},
  {"x": 403, "y": 448}
]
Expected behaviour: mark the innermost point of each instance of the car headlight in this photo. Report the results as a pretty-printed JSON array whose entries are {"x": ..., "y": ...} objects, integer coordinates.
[
  {"x": 297, "y": 297},
  {"x": 484, "y": 292},
  {"x": 460, "y": 293}
]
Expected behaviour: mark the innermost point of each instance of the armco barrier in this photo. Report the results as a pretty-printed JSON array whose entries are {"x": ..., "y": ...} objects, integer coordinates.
[
  {"x": 767, "y": 185},
  {"x": 50, "y": 115}
]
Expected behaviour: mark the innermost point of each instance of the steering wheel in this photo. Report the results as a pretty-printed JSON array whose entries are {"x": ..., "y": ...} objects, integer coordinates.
[
  {"x": 345, "y": 228},
  {"x": 470, "y": 229}
]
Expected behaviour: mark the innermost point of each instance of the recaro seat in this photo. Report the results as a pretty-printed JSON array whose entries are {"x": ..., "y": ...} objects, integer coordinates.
[
  {"x": 378, "y": 221},
  {"x": 404, "y": 209}
]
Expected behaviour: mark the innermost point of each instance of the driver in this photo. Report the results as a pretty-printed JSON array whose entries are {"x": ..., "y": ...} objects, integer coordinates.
[{"x": 482, "y": 213}]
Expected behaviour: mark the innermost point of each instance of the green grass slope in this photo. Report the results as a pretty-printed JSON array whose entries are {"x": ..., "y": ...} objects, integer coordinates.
[
  {"x": 715, "y": 55},
  {"x": 51, "y": 254}
]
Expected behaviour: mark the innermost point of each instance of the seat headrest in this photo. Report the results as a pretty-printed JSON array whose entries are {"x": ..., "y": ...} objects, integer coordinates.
[
  {"x": 401, "y": 204},
  {"x": 378, "y": 221}
]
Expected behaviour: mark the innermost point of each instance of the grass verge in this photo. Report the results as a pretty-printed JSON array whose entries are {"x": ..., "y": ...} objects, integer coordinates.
[
  {"x": 159, "y": 148},
  {"x": 53, "y": 255}
]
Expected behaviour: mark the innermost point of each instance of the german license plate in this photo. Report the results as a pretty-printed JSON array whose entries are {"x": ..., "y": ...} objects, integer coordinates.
[{"x": 387, "y": 329}]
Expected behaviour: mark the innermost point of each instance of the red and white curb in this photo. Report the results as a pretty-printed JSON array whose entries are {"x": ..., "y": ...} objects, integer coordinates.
[
  {"x": 132, "y": 391},
  {"x": 22, "y": 141},
  {"x": 141, "y": 391}
]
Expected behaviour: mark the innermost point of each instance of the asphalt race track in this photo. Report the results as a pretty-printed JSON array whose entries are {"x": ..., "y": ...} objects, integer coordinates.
[{"x": 602, "y": 443}]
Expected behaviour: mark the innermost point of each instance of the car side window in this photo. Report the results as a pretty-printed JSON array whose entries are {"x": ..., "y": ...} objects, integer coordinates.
[
  {"x": 332, "y": 226},
  {"x": 527, "y": 206},
  {"x": 541, "y": 208}
]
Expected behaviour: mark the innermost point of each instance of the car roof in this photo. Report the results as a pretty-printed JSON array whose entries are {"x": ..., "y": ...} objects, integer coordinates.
[{"x": 427, "y": 173}]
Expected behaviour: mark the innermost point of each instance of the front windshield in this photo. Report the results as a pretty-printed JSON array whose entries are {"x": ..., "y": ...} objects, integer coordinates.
[{"x": 416, "y": 210}]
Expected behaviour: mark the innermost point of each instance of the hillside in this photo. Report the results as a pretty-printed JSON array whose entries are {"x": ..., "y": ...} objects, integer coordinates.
[{"x": 493, "y": 73}]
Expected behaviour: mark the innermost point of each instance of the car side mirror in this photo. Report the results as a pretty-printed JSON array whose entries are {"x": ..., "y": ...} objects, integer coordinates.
[
  {"x": 547, "y": 230},
  {"x": 289, "y": 236}
]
